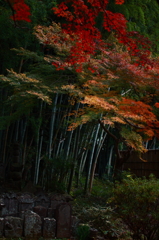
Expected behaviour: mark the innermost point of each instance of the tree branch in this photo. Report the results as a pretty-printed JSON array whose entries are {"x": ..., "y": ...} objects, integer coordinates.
[{"x": 106, "y": 130}]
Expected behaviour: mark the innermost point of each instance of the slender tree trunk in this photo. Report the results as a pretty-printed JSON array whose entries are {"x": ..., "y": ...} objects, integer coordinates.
[
  {"x": 52, "y": 122},
  {"x": 84, "y": 145},
  {"x": 17, "y": 130},
  {"x": 91, "y": 160},
  {"x": 110, "y": 160},
  {"x": 95, "y": 161},
  {"x": 36, "y": 171},
  {"x": 24, "y": 149},
  {"x": 23, "y": 130},
  {"x": 76, "y": 143},
  {"x": 38, "y": 159},
  {"x": 5, "y": 144}
]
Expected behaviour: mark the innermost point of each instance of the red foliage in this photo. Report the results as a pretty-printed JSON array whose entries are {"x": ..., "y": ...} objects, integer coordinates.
[
  {"x": 82, "y": 41},
  {"x": 157, "y": 105},
  {"x": 22, "y": 11},
  {"x": 145, "y": 120},
  {"x": 119, "y": 1},
  {"x": 81, "y": 23}
]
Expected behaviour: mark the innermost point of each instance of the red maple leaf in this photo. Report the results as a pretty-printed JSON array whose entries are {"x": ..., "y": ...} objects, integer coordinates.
[
  {"x": 22, "y": 11},
  {"x": 81, "y": 22}
]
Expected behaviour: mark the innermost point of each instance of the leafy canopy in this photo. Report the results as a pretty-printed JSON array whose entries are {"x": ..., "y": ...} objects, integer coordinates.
[{"x": 113, "y": 77}]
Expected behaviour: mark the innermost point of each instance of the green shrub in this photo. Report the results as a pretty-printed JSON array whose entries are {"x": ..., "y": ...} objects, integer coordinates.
[
  {"x": 104, "y": 220},
  {"x": 137, "y": 204},
  {"x": 101, "y": 192},
  {"x": 82, "y": 232},
  {"x": 102, "y": 189}
]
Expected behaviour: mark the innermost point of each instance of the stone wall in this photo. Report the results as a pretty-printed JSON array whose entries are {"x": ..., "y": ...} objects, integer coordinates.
[{"x": 29, "y": 216}]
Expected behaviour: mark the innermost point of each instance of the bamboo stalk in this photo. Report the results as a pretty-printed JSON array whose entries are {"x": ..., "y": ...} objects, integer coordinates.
[
  {"x": 102, "y": 139},
  {"x": 52, "y": 122},
  {"x": 91, "y": 159}
]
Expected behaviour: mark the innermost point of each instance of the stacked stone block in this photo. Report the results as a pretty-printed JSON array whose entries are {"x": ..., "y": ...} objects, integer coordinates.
[{"x": 25, "y": 215}]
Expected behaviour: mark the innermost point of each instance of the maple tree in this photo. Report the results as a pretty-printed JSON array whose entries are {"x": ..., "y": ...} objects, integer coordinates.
[
  {"x": 101, "y": 83},
  {"x": 84, "y": 49},
  {"x": 81, "y": 25},
  {"x": 82, "y": 29},
  {"x": 112, "y": 76}
]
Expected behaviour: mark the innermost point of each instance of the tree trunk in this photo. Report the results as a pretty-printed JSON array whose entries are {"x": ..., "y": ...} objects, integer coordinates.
[
  {"x": 91, "y": 160},
  {"x": 95, "y": 161}
]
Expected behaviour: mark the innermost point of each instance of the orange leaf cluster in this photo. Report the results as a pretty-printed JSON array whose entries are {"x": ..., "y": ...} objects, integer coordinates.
[
  {"x": 139, "y": 115},
  {"x": 136, "y": 109},
  {"x": 157, "y": 105},
  {"x": 119, "y": 1}
]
